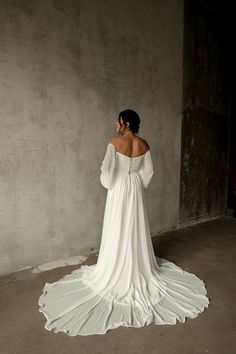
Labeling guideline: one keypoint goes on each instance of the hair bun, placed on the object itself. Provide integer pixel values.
(132, 117)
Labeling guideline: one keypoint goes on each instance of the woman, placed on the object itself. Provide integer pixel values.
(128, 286)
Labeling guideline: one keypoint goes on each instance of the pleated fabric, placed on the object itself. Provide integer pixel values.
(128, 286)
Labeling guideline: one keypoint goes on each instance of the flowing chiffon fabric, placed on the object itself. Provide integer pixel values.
(128, 286)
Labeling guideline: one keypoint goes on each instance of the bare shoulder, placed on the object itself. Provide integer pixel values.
(145, 143)
(114, 140)
(117, 141)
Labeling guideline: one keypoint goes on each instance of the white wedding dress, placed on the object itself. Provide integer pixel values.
(129, 286)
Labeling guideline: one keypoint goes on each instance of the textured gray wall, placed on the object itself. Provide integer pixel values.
(66, 70)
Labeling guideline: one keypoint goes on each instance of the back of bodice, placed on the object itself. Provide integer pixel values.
(128, 165)
(116, 164)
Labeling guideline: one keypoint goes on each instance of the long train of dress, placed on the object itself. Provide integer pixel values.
(128, 286)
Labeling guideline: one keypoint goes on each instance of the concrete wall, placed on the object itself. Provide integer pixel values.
(67, 68)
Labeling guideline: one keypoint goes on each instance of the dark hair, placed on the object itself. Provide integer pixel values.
(132, 117)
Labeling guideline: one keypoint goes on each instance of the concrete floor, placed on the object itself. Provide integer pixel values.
(206, 249)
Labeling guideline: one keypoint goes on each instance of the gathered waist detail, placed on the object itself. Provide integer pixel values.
(133, 172)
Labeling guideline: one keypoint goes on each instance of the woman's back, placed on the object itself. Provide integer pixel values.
(120, 164)
(131, 146)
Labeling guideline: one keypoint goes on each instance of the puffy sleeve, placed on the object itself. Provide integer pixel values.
(108, 167)
(146, 171)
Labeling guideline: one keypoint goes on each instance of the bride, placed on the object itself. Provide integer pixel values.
(128, 286)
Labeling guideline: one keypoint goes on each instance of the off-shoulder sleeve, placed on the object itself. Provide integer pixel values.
(108, 167)
(146, 171)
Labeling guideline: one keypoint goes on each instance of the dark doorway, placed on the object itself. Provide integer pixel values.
(231, 206)
(206, 112)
